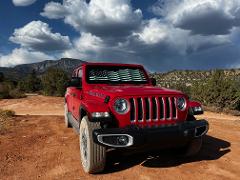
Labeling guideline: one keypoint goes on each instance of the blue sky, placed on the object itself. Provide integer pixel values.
(160, 34)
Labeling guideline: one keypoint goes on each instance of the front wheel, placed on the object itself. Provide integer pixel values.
(93, 156)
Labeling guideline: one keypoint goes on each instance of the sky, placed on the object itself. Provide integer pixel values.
(162, 35)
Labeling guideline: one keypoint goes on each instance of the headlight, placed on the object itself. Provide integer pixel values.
(181, 103)
(121, 106)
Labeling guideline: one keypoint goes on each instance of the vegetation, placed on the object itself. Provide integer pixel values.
(5, 115)
(217, 89)
(30, 84)
(54, 82)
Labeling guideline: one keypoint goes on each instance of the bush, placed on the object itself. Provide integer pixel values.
(6, 113)
(4, 119)
(16, 94)
(4, 89)
(54, 82)
(8, 91)
(1, 77)
(31, 83)
(218, 91)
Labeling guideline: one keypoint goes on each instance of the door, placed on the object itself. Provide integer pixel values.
(76, 97)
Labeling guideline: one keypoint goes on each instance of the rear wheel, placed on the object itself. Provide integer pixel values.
(93, 156)
(66, 119)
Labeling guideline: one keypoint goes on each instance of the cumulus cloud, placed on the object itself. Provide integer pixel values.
(98, 17)
(205, 17)
(23, 2)
(22, 56)
(153, 32)
(37, 35)
(86, 47)
(54, 10)
(185, 34)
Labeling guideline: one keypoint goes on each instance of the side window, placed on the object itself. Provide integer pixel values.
(80, 73)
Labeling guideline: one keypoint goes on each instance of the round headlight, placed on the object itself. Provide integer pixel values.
(181, 103)
(121, 106)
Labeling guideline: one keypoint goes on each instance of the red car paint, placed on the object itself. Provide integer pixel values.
(92, 98)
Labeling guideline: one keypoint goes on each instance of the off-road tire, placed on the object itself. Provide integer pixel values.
(94, 156)
(193, 147)
(66, 119)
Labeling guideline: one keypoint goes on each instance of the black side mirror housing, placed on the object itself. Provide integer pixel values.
(75, 82)
(153, 81)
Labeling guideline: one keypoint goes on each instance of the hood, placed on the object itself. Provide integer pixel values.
(115, 91)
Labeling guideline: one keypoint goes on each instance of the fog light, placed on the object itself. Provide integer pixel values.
(100, 115)
(115, 140)
(122, 140)
(197, 109)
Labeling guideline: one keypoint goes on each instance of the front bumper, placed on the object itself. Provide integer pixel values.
(162, 136)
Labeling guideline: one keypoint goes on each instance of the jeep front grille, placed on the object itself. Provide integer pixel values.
(152, 109)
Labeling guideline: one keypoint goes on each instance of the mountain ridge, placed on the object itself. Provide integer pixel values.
(22, 70)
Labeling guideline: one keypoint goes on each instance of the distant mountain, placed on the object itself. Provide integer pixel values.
(20, 71)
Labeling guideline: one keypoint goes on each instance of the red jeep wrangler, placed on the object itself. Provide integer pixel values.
(119, 106)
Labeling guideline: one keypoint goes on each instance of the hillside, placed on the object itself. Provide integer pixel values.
(20, 71)
(188, 77)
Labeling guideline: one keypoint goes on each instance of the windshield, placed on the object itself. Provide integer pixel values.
(115, 75)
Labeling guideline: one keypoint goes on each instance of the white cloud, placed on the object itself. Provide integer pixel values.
(86, 47)
(23, 2)
(153, 32)
(99, 17)
(185, 34)
(206, 17)
(38, 36)
(22, 56)
(54, 10)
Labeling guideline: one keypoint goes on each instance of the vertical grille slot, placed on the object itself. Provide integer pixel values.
(161, 105)
(167, 108)
(132, 110)
(154, 108)
(174, 112)
(140, 109)
(147, 110)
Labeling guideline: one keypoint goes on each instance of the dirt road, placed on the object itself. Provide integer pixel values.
(38, 146)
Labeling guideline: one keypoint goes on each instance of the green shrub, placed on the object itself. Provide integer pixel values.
(54, 82)
(6, 113)
(30, 84)
(8, 91)
(16, 94)
(4, 119)
(1, 77)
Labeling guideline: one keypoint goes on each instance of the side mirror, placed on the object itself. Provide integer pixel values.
(153, 81)
(75, 82)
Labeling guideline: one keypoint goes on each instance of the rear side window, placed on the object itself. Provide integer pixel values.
(80, 73)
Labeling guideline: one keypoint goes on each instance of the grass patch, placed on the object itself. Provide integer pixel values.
(5, 117)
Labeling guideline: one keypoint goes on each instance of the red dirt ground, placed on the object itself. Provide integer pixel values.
(38, 146)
